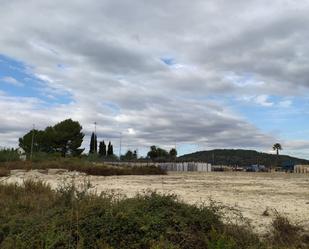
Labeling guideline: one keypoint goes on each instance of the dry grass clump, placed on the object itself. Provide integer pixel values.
(266, 212)
(287, 235)
(4, 172)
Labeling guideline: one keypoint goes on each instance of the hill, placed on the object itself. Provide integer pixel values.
(240, 157)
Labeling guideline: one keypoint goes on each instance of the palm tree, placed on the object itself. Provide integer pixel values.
(277, 147)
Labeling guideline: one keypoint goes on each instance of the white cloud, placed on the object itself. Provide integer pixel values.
(285, 103)
(131, 131)
(12, 81)
(263, 100)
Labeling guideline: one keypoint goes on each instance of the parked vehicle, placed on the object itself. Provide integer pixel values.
(256, 168)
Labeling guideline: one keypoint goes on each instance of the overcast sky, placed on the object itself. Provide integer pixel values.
(198, 74)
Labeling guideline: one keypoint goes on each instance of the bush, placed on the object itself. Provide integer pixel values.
(34, 216)
(8, 155)
(286, 234)
(43, 156)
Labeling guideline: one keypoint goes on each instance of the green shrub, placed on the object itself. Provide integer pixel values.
(32, 215)
(218, 240)
(8, 155)
(43, 156)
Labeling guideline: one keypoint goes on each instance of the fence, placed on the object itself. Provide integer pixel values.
(171, 166)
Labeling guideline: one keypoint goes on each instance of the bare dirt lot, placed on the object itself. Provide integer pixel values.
(251, 193)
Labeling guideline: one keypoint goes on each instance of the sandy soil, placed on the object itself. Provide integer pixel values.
(251, 193)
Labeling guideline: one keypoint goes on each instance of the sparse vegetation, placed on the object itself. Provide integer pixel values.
(286, 234)
(35, 216)
(83, 166)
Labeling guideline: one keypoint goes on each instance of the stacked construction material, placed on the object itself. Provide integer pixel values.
(170, 166)
(302, 169)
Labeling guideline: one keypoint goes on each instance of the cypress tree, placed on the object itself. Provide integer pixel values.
(110, 151)
(104, 152)
(102, 149)
(93, 144)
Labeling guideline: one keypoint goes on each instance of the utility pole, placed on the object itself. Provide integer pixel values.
(32, 141)
(95, 138)
(120, 138)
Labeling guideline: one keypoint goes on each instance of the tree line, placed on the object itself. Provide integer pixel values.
(66, 138)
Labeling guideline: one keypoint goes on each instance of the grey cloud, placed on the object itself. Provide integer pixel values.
(162, 123)
(193, 122)
(273, 51)
(112, 52)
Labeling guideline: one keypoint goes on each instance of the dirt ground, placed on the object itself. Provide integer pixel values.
(251, 193)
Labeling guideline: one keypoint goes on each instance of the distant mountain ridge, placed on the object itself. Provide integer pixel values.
(240, 157)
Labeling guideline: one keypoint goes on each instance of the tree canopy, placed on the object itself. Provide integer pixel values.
(129, 156)
(65, 138)
(157, 153)
(173, 153)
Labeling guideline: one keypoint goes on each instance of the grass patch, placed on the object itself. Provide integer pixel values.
(83, 166)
